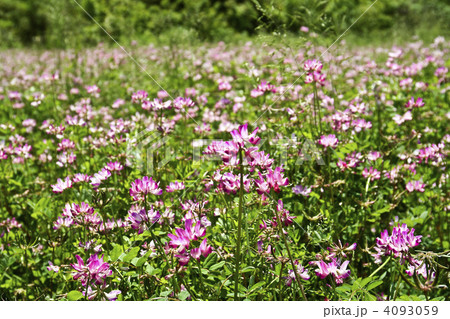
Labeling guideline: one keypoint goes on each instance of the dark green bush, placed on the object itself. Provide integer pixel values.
(56, 23)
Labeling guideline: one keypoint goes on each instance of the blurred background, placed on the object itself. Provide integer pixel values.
(62, 24)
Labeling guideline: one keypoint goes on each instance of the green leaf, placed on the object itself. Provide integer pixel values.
(142, 260)
(248, 269)
(150, 270)
(210, 260)
(183, 295)
(369, 297)
(166, 293)
(374, 284)
(217, 266)
(74, 295)
(365, 281)
(257, 285)
(438, 299)
(344, 288)
(356, 284)
(12, 181)
(115, 253)
(131, 254)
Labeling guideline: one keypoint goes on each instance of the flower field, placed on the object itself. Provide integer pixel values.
(225, 172)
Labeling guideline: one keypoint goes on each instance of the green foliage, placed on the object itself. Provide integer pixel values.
(64, 24)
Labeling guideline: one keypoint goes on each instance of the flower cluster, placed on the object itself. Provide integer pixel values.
(141, 187)
(95, 270)
(328, 141)
(371, 173)
(93, 273)
(414, 103)
(141, 219)
(8, 224)
(182, 239)
(334, 268)
(415, 186)
(263, 88)
(313, 69)
(301, 271)
(397, 244)
(74, 214)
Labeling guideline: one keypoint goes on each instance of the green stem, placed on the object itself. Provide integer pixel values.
(294, 268)
(279, 281)
(381, 267)
(238, 243)
(201, 279)
(317, 107)
(396, 288)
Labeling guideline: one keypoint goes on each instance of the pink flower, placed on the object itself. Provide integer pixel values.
(61, 185)
(262, 186)
(285, 217)
(354, 159)
(183, 237)
(230, 183)
(112, 295)
(240, 136)
(226, 150)
(114, 166)
(141, 219)
(65, 144)
(62, 222)
(301, 271)
(74, 210)
(414, 104)
(299, 189)
(337, 270)
(183, 257)
(373, 156)
(93, 90)
(141, 187)
(322, 272)
(78, 178)
(313, 69)
(139, 96)
(399, 119)
(224, 86)
(181, 102)
(304, 29)
(99, 177)
(415, 186)
(361, 124)
(263, 88)
(195, 253)
(175, 186)
(315, 77)
(339, 250)
(180, 240)
(313, 66)
(397, 244)
(276, 179)
(259, 159)
(52, 267)
(205, 249)
(95, 270)
(65, 159)
(371, 173)
(118, 103)
(9, 223)
(329, 141)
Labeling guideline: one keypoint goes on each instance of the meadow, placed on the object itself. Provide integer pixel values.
(225, 172)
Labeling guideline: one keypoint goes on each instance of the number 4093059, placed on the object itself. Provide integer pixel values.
(411, 310)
